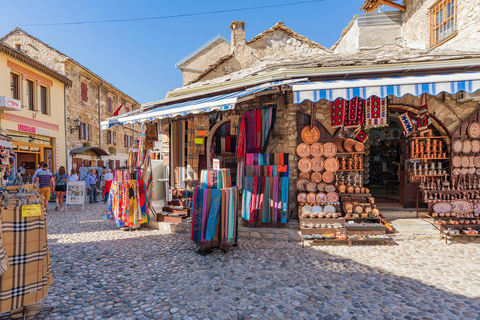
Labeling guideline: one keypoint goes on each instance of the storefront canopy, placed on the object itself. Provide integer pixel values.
(98, 151)
(220, 102)
(383, 87)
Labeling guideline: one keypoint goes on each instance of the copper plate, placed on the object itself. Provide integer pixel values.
(329, 149)
(471, 159)
(339, 143)
(457, 146)
(311, 187)
(477, 161)
(357, 208)
(348, 206)
(467, 146)
(316, 149)
(376, 138)
(471, 170)
(386, 133)
(465, 161)
(311, 198)
(474, 130)
(396, 133)
(302, 197)
(328, 176)
(330, 188)
(475, 146)
(462, 206)
(317, 164)
(349, 145)
(305, 175)
(321, 186)
(321, 197)
(329, 208)
(331, 164)
(305, 165)
(303, 150)
(359, 147)
(301, 184)
(332, 197)
(310, 135)
(457, 161)
(316, 177)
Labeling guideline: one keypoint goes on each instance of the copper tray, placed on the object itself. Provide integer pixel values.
(311, 198)
(348, 207)
(329, 149)
(311, 187)
(349, 145)
(358, 208)
(457, 146)
(339, 143)
(331, 164)
(332, 197)
(330, 188)
(316, 149)
(328, 176)
(467, 146)
(475, 146)
(304, 175)
(310, 135)
(321, 197)
(302, 197)
(316, 177)
(303, 150)
(465, 161)
(359, 147)
(317, 164)
(301, 184)
(477, 161)
(305, 165)
(471, 159)
(474, 130)
(457, 161)
(321, 186)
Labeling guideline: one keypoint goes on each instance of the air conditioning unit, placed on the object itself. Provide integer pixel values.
(463, 96)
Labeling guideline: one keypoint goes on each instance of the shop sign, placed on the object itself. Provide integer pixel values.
(32, 210)
(216, 164)
(76, 192)
(10, 104)
(30, 129)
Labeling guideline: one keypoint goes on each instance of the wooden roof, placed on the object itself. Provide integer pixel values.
(372, 5)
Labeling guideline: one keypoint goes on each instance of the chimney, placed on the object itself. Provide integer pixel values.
(238, 34)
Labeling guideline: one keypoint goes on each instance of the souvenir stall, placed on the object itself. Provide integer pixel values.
(215, 211)
(334, 204)
(23, 282)
(7, 162)
(130, 196)
(452, 189)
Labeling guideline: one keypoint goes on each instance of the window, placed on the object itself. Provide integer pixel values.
(18, 46)
(31, 95)
(84, 92)
(111, 137)
(85, 132)
(443, 21)
(14, 86)
(127, 140)
(110, 104)
(44, 99)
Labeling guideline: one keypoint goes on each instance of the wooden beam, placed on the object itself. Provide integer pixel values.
(393, 4)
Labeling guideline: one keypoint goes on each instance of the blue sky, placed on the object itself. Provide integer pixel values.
(139, 57)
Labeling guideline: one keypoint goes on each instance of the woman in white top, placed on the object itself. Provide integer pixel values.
(73, 176)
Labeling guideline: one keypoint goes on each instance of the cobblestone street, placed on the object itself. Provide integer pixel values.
(102, 272)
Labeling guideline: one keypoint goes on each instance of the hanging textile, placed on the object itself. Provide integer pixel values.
(354, 113)
(376, 112)
(141, 147)
(337, 112)
(28, 278)
(3, 254)
(422, 119)
(406, 123)
(177, 145)
(192, 153)
(215, 179)
(361, 136)
(202, 128)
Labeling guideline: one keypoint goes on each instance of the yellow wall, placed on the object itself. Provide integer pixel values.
(53, 121)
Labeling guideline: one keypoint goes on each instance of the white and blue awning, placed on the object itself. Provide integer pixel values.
(383, 87)
(222, 102)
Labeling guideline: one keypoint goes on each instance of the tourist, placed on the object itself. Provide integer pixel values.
(44, 181)
(73, 175)
(92, 185)
(22, 169)
(39, 169)
(108, 178)
(61, 179)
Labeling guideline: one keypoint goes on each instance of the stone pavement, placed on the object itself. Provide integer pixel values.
(102, 272)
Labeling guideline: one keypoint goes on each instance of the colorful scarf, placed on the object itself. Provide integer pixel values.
(376, 112)
(422, 119)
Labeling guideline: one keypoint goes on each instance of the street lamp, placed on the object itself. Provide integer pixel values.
(77, 124)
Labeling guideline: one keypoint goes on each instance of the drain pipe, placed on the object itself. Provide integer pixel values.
(66, 126)
(99, 118)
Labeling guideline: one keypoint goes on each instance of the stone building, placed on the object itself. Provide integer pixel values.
(89, 100)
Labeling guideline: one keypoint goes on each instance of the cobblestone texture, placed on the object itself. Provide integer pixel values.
(102, 272)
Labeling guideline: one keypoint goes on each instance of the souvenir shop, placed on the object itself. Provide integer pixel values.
(376, 150)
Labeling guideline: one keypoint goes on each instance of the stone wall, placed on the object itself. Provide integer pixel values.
(348, 41)
(416, 26)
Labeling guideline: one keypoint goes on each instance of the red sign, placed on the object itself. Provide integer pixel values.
(25, 128)
(10, 104)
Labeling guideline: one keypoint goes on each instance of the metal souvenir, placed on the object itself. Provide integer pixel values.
(329, 149)
(462, 206)
(328, 176)
(349, 145)
(467, 146)
(476, 162)
(301, 184)
(329, 209)
(321, 197)
(316, 149)
(474, 130)
(311, 187)
(310, 135)
(311, 198)
(317, 164)
(302, 197)
(457, 146)
(475, 146)
(305, 165)
(321, 186)
(465, 161)
(316, 177)
(457, 161)
(332, 197)
(303, 150)
(332, 164)
(330, 188)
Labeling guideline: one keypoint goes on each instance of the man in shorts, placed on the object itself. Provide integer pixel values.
(44, 180)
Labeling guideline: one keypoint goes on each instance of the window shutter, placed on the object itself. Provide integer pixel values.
(81, 131)
(114, 138)
(117, 163)
(84, 92)
(89, 138)
(110, 107)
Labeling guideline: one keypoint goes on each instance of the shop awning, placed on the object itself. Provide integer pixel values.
(383, 87)
(220, 102)
(98, 151)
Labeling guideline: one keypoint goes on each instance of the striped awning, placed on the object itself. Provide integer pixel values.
(383, 87)
(221, 102)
